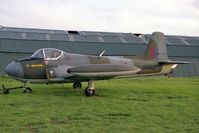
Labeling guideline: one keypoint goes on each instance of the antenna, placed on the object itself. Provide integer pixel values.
(102, 54)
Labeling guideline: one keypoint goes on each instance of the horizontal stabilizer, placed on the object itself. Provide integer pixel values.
(174, 62)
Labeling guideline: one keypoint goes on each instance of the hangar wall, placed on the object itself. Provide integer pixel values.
(16, 43)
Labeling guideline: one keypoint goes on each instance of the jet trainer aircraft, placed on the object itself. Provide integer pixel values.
(50, 65)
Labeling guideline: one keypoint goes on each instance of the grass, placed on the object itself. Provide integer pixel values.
(151, 105)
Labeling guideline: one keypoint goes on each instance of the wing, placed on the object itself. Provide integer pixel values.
(103, 70)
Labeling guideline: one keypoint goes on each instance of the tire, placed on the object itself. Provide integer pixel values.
(88, 92)
(27, 90)
(77, 85)
(6, 91)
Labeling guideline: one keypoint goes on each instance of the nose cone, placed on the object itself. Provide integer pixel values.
(15, 69)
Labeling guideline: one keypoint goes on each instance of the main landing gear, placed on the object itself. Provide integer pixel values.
(77, 85)
(25, 89)
(90, 90)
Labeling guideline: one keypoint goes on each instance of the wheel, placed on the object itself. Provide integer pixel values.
(77, 85)
(5, 91)
(27, 90)
(89, 92)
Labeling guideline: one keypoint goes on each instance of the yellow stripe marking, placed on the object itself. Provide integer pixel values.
(37, 65)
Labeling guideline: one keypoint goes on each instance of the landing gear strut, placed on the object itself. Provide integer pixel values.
(169, 74)
(77, 85)
(90, 90)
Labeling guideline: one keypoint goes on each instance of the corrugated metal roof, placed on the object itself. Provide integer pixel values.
(32, 30)
(26, 40)
(182, 40)
(29, 46)
(88, 36)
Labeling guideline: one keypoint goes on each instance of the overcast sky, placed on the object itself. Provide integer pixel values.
(176, 17)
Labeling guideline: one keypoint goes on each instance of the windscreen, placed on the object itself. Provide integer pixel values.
(38, 54)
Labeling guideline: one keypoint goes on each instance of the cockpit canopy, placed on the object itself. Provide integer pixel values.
(48, 54)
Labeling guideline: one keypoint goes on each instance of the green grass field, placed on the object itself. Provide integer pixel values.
(134, 105)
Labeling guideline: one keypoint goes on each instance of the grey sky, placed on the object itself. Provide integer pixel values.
(178, 17)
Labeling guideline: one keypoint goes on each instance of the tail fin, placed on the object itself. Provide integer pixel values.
(156, 49)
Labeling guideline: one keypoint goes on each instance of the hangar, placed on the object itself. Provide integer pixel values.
(21, 42)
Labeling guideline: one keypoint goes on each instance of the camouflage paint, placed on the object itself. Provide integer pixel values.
(75, 67)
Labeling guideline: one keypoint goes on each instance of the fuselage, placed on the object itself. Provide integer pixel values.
(51, 65)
